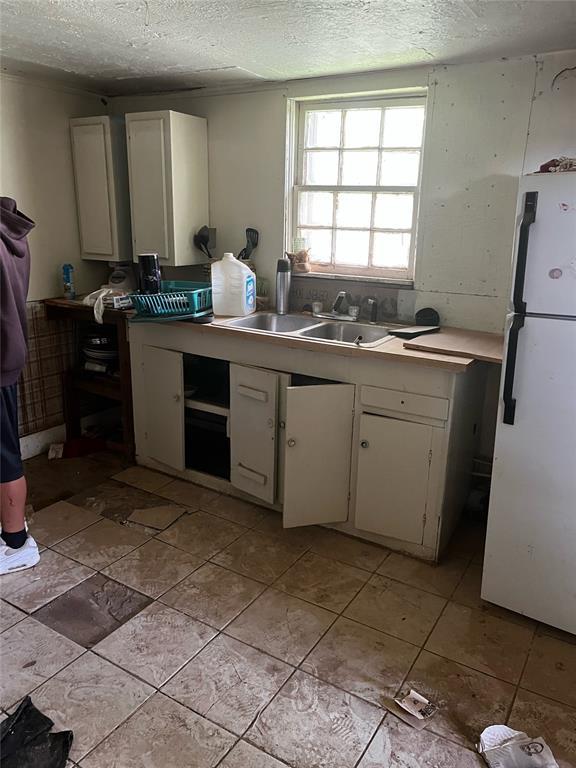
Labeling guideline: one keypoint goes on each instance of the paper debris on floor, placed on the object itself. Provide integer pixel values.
(156, 517)
(56, 451)
(412, 708)
(503, 747)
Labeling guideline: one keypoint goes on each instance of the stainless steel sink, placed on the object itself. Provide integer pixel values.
(273, 323)
(347, 333)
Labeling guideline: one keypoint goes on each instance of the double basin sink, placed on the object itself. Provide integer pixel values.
(350, 333)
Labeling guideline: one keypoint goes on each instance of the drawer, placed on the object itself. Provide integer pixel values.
(405, 402)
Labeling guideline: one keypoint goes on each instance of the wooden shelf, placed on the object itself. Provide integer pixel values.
(201, 405)
(77, 381)
(103, 386)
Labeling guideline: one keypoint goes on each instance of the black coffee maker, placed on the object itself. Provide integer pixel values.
(150, 279)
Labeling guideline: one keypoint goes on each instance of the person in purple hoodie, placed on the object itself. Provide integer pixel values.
(18, 550)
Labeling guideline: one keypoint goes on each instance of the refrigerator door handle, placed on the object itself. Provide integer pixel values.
(528, 218)
(508, 392)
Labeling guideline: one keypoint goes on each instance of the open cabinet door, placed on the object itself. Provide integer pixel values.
(318, 450)
(253, 425)
(164, 385)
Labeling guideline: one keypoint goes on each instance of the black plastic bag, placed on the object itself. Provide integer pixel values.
(25, 740)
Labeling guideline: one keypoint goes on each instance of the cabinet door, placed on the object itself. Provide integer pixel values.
(164, 387)
(318, 450)
(393, 471)
(93, 175)
(253, 425)
(148, 167)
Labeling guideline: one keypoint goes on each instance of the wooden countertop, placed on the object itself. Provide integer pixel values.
(390, 350)
(75, 308)
(458, 341)
(451, 349)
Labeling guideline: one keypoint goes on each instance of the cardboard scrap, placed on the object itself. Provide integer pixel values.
(413, 708)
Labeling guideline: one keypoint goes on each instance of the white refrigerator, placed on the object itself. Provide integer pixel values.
(530, 560)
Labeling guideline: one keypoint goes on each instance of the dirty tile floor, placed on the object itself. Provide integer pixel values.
(168, 625)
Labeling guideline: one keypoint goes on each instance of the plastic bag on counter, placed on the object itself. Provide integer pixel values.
(105, 298)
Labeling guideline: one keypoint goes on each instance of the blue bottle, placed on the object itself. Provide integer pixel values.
(68, 280)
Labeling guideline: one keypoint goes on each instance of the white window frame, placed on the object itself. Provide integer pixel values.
(404, 275)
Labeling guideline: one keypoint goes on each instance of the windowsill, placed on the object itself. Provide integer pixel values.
(390, 282)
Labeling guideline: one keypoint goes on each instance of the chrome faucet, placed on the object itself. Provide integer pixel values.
(349, 314)
(343, 296)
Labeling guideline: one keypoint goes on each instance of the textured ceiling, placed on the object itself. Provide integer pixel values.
(124, 46)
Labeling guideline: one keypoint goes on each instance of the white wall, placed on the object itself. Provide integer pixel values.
(36, 170)
(553, 119)
(246, 134)
(476, 142)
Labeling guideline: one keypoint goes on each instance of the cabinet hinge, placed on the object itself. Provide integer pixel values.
(424, 520)
(429, 457)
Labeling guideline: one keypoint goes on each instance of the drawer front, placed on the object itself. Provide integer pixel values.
(405, 402)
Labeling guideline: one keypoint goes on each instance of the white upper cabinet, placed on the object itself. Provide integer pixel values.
(99, 157)
(168, 171)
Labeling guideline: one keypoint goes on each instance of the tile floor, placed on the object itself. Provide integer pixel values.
(167, 625)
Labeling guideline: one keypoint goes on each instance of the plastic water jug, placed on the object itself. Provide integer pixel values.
(233, 287)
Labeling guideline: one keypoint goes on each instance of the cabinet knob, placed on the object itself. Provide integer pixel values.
(364, 443)
(291, 442)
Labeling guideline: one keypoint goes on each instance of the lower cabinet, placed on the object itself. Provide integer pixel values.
(254, 397)
(292, 443)
(287, 439)
(163, 378)
(395, 466)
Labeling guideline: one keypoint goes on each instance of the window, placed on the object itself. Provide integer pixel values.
(357, 180)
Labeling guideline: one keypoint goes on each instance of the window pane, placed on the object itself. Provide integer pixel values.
(403, 126)
(352, 247)
(321, 168)
(354, 209)
(391, 249)
(399, 169)
(359, 167)
(393, 211)
(362, 128)
(323, 128)
(316, 208)
(319, 242)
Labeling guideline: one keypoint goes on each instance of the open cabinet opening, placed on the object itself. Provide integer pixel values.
(207, 410)
(207, 380)
(207, 443)
(301, 380)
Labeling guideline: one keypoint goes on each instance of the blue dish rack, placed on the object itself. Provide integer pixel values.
(178, 300)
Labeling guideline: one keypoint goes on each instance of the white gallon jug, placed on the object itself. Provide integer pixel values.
(233, 287)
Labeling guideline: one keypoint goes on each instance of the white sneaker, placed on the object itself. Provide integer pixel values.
(11, 560)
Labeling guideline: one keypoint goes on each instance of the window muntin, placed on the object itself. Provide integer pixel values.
(357, 184)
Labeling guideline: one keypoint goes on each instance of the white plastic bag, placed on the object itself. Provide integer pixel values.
(96, 299)
(503, 747)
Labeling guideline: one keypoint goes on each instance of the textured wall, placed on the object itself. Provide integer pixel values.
(36, 169)
(476, 141)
